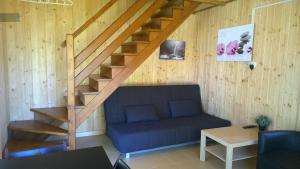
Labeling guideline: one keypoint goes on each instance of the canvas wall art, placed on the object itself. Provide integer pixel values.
(172, 50)
(235, 44)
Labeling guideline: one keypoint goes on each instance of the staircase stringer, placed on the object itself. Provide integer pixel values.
(130, 68)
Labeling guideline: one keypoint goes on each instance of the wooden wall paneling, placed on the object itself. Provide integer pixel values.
(231, 90)
(50, 48)
(3, 93)
(297, 60)
(63, 24)
(290, 83)
(156, 71)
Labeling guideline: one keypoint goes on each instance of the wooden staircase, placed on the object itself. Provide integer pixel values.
(137, 42)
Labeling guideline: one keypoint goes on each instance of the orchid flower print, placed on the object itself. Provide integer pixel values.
(235, 44)
(232, 47)
(221, 49)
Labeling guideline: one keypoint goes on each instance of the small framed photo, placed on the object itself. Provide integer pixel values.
(172, 50)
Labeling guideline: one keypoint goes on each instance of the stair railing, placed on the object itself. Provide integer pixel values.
(115, 44)
(71, 72)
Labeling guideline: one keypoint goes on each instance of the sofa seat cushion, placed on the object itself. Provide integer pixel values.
(132, 137)
(280, 160)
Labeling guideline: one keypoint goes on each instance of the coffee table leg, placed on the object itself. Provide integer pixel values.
(229, 155)
(202, 147)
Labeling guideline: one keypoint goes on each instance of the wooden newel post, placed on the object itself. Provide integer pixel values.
(71, 91)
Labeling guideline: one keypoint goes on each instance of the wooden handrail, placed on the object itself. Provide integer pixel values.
(90, 21)
(117, 42)
(93, 46)
(94, 18)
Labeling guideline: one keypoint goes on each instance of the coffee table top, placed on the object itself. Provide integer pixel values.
(234, 135)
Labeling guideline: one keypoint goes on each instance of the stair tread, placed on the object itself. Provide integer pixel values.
(86, 90)
(127, 54)
(13, 146)
(168, 5)
(163, 18)
(152, 29)
(58, 113)
(143, 32)
(136, 42)
(113, 66)
(78, 103)
(98, 77)
(34, 126)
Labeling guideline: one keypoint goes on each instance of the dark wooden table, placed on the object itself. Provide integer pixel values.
(90, 158)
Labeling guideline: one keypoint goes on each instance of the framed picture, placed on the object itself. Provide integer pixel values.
(235, 44)
(172, 50)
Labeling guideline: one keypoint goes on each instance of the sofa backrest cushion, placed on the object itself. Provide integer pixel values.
(141, 113)
(159, 96)
(184, 108)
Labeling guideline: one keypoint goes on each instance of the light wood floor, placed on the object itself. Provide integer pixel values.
(186, 157)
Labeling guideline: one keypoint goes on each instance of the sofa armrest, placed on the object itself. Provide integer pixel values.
(277, 140)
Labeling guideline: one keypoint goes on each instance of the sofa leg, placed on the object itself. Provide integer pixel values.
(127, 155)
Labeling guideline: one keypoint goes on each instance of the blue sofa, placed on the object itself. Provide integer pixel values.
(146, 117)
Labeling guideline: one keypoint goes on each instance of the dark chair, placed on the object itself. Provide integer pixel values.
(278, 150)
(120, 164)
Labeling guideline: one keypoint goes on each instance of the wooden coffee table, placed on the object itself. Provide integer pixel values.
(235, 143)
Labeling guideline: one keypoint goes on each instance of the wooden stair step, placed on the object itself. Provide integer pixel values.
(122, 59)
(98, 82)
(170, 5)
(163, 18)
(176, 2)
(78, 104)
(86, 89)
(57, 113)
(171, 11)
(156, 24)
(86, 93)
(14, 146)
(127, 54)
(34, 126)
(135, 43)
(152, 25)
(113, 66)
(163, 13)
(98, 77)
(168, 13)
(110, 71)
(145, 35)
(134, 46)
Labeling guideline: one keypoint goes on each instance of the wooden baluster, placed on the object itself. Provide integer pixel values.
(71, 91)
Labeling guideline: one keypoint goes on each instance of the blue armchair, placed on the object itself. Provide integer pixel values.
(278, 150)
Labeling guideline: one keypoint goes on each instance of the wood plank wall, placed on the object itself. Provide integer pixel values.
(36, 61)
(231, 90)
(3, 112)
(37, 74)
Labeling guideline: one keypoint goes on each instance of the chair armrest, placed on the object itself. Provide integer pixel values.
(277, 140)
